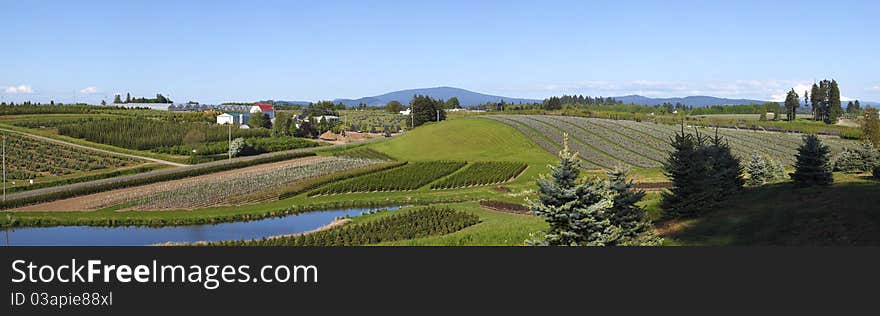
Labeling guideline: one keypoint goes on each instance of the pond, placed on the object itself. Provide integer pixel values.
(141, 236)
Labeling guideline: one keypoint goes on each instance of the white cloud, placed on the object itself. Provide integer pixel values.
(89, 90)
(19, 89)
(874, 88)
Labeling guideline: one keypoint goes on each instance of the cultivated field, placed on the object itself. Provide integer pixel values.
(206, 190)
(603, 143)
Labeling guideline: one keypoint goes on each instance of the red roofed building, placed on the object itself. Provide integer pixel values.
(266, 109)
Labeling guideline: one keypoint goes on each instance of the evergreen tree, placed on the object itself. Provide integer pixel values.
(127, 97)
(815, 101)
(117, 99)
(725, 168)
(687, 170)
(453, 103)
(812, 166)
(758, 169)
(425, 109)
(103, 102)
(576, 211)
(835, 111)
(635, 227)
(703, 172)
(792, 102)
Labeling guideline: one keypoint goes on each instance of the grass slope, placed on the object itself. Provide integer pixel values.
(467, 139)
(845, 213)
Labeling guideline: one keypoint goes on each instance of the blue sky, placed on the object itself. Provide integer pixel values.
(216, 51)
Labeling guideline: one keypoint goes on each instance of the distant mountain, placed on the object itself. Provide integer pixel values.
(694, 101)
(465, 97)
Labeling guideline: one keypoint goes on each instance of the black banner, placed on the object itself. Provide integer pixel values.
(418, 280)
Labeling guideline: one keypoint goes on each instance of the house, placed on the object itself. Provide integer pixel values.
(233, 118)
(225, 118)
(264, 108)
(405, 112)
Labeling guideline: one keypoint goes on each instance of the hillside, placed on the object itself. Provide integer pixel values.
(778, 214)
(695, 101)
(469, 139)
(465, 97)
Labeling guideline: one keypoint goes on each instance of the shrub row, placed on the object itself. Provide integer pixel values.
(430, 221)
(197, 218)
(93, 177)
(173, 174)
(408, 177)
(482, 173)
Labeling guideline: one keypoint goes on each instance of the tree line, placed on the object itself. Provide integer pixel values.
(128, 99)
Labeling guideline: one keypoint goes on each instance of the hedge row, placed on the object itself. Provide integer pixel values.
(23, 219)
(430, 221)
(182, 172)
(92, 177)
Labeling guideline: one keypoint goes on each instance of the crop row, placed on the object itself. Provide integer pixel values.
(211, 191)
(424, 222)
(619, 147)
(481, 173)
(29, 158)
(647, 144)
(408, 177)
(150, 134)
(537, 137)
(592, 157)
(146, 178)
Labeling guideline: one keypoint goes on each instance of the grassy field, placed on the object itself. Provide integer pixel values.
(466, 139)
(845, 213)
(775, 214)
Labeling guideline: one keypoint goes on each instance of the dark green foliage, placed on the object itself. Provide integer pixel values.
(426, 109)
(429, 221)
(589, 213)
(703, 172)
(482, 173)
(812, 166)
(149, 134)
(309, 184)
(394, 107)
(635, 227)
(792, 103)
(409, 177)
(322, 108)
(259, 120)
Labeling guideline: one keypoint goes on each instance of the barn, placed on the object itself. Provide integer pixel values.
(264, 108)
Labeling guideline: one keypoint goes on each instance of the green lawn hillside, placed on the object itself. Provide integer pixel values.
(468, 139)
(845, 213)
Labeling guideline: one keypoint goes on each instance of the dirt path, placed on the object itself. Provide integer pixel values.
(100, 200)
(48, 139)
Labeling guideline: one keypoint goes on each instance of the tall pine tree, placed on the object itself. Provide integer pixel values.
(812, 165)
